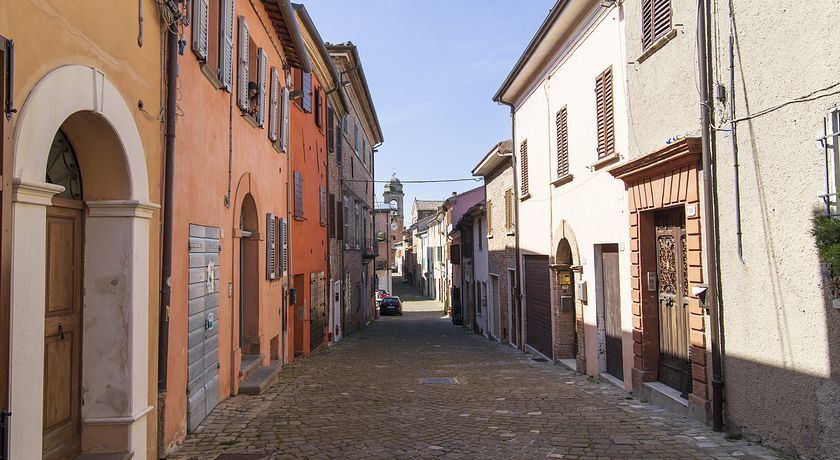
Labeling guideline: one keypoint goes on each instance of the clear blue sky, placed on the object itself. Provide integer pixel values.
(433, 67)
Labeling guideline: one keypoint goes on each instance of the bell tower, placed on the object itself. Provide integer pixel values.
(394, 194)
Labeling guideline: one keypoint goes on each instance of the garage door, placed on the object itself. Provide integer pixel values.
(538, 304)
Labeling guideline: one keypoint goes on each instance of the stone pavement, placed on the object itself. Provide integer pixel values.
(363, 398)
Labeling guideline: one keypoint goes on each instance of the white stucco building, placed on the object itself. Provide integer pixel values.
(570, 125)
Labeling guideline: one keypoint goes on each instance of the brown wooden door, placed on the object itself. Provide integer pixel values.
(538, 304)
(674, 365)
(300, 311)
(317, 310)
(63, 330)
(612, 309)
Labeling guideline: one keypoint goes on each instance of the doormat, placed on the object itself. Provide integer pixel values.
(539, 360)
(439, 381)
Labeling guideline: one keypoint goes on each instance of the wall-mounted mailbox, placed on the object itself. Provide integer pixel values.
(567, 303)
(651, 281)
(580, 291)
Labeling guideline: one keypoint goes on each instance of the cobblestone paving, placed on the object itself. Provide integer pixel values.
(362, 398)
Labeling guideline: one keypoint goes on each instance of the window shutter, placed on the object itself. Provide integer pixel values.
(523, 167)
(318, 122)
(284, 248)
(272, 110)
(243, 64)
(604, 103)
(306, 80)
(489, 218)
(262, 62)
(226, 65)
(298, 195)
(340, 221)
(562, 143)
(200, 28)
(270, 248)
(656, 21)
(332, 217)
(330, 129)
(339, 143)
(284, 120)
(322, 197)
(509, 209)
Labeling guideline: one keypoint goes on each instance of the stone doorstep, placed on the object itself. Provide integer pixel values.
(261, 379)
(665, 397)
(111, 456)
(250, 363)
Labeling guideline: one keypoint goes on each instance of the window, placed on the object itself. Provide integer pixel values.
(346, 221)
(317, 113)
(330, 130)
(356, 137)
(306, 86)
(298, 185)
(604, 110)
(523, 167)
(332, 217)
(509, 209)
(212, 38)
(489, 218)
(322, 218)
(562, 143)
(358, 221)
(252, 76)
(656, 21)
(274, 105)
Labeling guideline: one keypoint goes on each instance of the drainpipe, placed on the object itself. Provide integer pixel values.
(734, 134)
(169, 166)
(710, 220)
(517, 290)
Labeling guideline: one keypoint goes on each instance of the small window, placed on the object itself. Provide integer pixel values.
(604, 111)
(509, 209)
(656, 21)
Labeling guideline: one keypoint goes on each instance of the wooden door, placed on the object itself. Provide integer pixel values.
(674, 365)
(611, 288)
(538, 304)
(299, 306)
(63, 330)
(317, 310)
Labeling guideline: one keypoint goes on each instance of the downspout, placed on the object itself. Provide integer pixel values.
(517, 291)
(734, 134)
(166, 254)
(710, 220)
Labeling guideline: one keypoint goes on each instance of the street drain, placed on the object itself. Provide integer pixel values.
(438, 381)
(539, 360)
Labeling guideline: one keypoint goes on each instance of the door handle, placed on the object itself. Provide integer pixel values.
(60, 331)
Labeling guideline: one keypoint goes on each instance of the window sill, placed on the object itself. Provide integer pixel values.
(607, 160)
(657, 45)
(211, 76)
(525, 197)
(251, 121)
(564, 179)
(510, 234)
(298, 218)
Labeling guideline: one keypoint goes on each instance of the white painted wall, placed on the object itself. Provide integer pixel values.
(594, 203)
(481, 273)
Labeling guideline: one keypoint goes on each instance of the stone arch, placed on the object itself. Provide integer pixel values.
(568, 315)
(115, 366)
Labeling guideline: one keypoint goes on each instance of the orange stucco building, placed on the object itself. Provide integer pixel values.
(229, 218)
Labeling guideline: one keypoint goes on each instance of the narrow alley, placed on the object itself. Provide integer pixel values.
(365, 398)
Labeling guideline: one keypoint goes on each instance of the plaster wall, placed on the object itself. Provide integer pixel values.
(101, 36)
(481, 275)
(782, 336)
(207, 145)
(662, 97)
(593, 204)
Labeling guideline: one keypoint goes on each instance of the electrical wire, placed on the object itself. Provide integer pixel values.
(431, 181)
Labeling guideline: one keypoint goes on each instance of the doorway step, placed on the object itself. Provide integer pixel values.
(115, 456)
(260, 379)
(250, 363)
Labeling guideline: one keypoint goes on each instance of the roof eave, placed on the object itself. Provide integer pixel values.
(294, 31)
(322, 48)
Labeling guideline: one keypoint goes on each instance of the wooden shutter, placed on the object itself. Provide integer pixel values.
(339, 143)
(489, 218)
(262, 62)
(509, 209)
(273, 106)
(523, 166)
(332, 219)
(201, 28)
(226, 65)
(562, 143)
(284, 120)
(306, 83)
(322, 197)
(656, 21)
(604, 110)
(330, 129)
(298, 194)
(318, 122)
(270, 247)
(283, 248)
(242, 100)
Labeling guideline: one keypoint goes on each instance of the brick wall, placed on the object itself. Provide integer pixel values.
(502, 246)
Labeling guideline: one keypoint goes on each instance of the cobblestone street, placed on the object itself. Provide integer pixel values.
(363, 398)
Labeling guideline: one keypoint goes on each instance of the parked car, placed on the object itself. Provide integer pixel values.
(379, 295)
(390, 304)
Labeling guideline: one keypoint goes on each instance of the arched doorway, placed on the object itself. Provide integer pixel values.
(63, 312)
(249, 303)
(75, 128)
(566, 342)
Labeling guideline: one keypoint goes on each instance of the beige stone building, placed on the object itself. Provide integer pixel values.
(82, 133)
